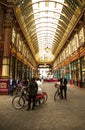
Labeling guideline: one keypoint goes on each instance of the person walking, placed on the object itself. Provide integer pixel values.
(33, 88)
(63, 87)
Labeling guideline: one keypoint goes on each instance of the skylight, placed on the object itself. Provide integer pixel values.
(45, 22)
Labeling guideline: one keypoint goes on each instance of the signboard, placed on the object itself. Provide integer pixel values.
(3, 85)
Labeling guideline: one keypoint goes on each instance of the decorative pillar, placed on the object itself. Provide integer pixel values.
(5, 62)
(7, 41)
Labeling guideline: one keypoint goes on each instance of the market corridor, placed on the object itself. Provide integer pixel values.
(60, 115)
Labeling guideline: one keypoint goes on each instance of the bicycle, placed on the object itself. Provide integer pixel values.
(20, 101)
(57, 95)
(17, 90)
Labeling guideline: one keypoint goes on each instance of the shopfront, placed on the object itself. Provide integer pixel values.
(67, 72)
(83, 71)
(75, 72)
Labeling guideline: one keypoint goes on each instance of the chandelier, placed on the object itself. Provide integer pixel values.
(47, 49)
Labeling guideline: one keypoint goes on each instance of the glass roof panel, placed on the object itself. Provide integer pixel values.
(47, 21)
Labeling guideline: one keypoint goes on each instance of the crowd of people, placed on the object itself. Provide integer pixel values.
(35, 87)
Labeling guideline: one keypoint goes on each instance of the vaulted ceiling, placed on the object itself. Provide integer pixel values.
(46, 24)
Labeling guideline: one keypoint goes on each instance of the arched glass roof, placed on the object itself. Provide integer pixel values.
(46, 24)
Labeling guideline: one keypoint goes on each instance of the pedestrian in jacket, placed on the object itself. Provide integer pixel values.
(33, 88)
(12, 84)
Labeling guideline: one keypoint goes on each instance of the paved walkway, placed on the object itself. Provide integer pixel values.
(60, 115)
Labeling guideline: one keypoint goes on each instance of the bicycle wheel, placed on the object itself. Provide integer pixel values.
(45, 96)
(57, 95)
(18, 102)
(40, 101)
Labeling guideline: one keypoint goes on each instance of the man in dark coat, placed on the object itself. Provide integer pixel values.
(63, 87)
(33, 88)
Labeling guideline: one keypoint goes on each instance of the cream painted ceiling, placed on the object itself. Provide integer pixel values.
(47, 24)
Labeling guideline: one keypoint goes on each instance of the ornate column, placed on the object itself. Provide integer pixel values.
(7, 41)
(5, 62)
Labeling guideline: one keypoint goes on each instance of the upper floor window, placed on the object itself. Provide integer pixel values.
(81, 36)
(17, 41)
(62, 56)
(76, 40)
(73, 44)
(13, 36)
(67, 51)
(20, 45)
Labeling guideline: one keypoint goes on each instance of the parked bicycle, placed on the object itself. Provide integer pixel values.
(21, 100)
(17, 90)
(57, 94)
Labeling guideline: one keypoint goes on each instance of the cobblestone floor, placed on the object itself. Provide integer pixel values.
(60, 115)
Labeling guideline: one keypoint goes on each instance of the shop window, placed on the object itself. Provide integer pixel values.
(83, 76)
(75, 71)
(83, 65)
(83, 71)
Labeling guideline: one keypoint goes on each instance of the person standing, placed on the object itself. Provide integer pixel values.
(12, 83)
(17, 81)
(63, 87)
(39, 86)
(25, 83)
(33, 88)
